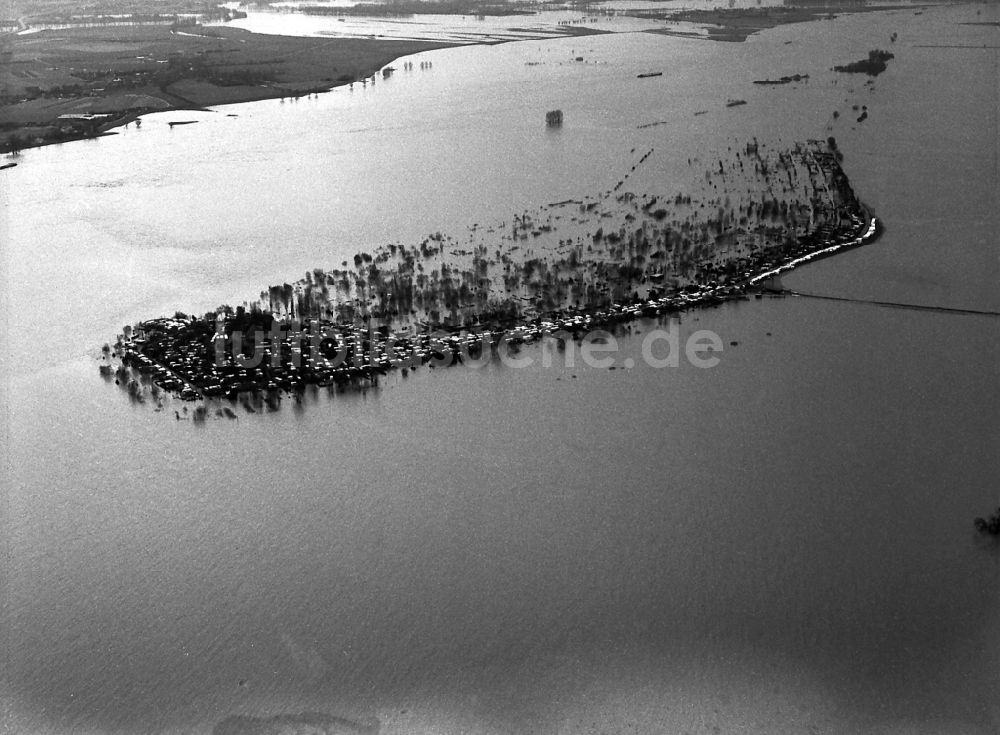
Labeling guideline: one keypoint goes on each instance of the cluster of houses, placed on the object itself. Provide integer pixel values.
(265, 349)
(203, 357)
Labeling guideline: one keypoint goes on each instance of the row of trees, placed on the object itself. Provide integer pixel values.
(674, 237)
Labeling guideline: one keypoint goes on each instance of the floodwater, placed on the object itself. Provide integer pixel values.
(781, 543)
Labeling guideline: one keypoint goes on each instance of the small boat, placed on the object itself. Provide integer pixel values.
(7, 165)
(651, 74)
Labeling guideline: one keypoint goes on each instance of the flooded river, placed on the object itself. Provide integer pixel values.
(781, 543)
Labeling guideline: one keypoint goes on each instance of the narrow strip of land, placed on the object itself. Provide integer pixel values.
(895, 304)
(953, 45)
(738, 24)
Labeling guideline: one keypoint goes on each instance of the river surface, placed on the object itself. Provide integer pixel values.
(780, 543)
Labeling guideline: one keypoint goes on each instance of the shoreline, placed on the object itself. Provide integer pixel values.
(170, 71)
(736, 25)
(79, 71)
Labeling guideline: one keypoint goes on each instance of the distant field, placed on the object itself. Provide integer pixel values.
(129, 70)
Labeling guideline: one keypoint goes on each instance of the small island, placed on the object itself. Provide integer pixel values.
(442, 302)
(876, 63)
(782, 80)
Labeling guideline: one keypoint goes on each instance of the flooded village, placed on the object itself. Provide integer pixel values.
(564, 270)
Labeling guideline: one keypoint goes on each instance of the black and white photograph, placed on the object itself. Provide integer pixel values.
(499, 367)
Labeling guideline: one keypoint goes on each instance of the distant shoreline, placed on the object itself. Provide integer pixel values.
(738, 24)
(84, 72)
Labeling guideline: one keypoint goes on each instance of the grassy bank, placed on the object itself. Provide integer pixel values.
(123, 71)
